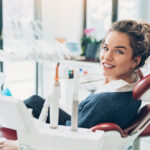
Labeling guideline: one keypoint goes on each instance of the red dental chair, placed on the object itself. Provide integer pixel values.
(120, 139)
(115, 138)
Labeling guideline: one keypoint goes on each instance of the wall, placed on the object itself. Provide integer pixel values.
(63, 18)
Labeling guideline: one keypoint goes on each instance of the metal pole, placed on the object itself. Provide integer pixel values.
(1, 33)
(37, 16)
(114, 10)
(84, 13)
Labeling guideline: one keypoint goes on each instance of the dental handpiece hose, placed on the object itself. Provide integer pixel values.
(54, 103)
(74, 118)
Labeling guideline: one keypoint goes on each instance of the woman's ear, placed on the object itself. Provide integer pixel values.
(136, 61)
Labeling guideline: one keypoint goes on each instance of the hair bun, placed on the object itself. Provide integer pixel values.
(146, 31)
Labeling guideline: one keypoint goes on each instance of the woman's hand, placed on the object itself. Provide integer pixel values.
(9, 145)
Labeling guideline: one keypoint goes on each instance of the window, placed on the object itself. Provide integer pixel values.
(17, 18)
(127, 9)
(99, 17)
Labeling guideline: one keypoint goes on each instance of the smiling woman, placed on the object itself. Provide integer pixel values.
(124, 50)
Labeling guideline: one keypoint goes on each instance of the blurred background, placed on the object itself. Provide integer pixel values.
(29, 30)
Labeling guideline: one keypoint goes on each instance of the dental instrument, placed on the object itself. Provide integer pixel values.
(74, 118)
(53, 101)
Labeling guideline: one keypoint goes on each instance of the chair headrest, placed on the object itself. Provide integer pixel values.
(142, 89)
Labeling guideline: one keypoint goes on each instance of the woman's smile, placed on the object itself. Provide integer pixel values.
(108, 66)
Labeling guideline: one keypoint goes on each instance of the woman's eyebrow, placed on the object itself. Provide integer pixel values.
(105, 44)
(121, 47)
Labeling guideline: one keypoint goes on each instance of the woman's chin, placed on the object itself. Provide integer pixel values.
(107, 75)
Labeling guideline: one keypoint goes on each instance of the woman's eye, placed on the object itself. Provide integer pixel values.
(105, 48)
(119, 51)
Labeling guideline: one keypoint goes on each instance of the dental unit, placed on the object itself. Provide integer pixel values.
(35, 134)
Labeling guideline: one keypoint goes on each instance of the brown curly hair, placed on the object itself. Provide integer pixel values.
(139, 34)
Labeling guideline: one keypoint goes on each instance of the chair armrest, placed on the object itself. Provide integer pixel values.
(9, 134)
(109, 127)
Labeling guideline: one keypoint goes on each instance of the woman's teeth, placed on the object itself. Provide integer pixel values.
(109, 66)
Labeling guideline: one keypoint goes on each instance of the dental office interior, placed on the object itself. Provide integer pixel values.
(51, 48)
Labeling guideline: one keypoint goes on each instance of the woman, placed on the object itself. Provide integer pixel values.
(124, 50)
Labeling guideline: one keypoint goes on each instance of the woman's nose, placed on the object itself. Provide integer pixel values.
(108, 55)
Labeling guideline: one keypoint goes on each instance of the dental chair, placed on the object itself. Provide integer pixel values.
(116, 138)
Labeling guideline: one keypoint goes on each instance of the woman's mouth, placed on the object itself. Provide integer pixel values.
(108, 66)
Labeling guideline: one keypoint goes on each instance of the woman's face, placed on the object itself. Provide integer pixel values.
(116, 57)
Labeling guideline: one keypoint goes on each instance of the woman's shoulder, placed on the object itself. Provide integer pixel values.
(110, 98)
(113, 95)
